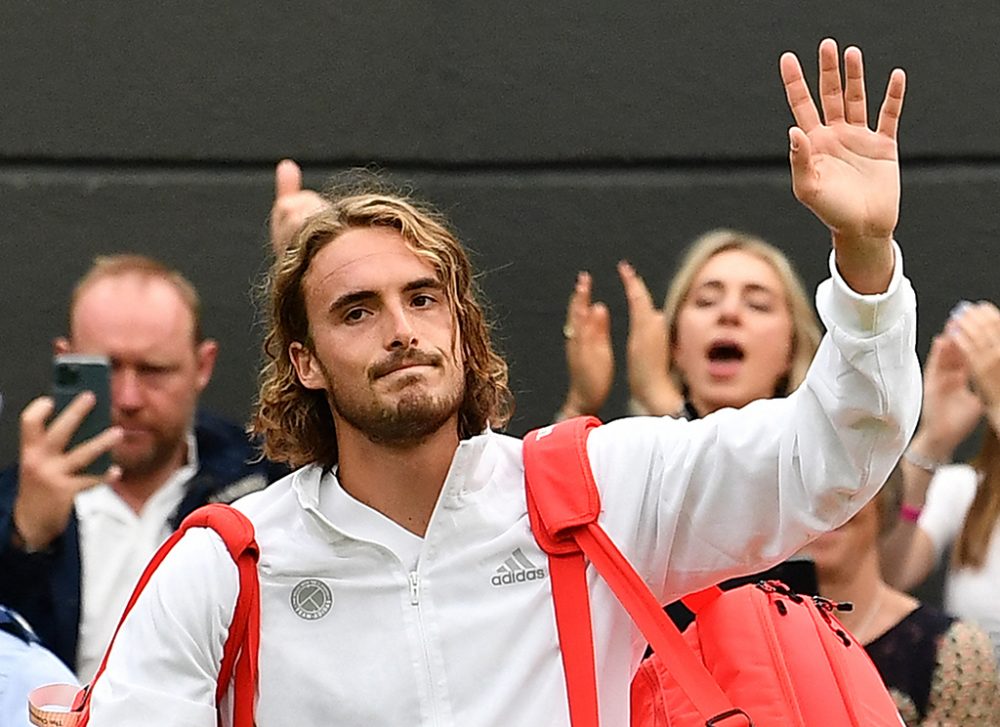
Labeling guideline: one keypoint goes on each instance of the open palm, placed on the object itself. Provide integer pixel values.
(951, 409)
(846, 173)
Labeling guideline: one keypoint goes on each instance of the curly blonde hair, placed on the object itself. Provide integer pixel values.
(295, 424)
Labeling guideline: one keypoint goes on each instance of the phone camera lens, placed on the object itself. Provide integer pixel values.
(67, 375)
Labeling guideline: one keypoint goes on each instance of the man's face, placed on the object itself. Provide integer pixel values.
(734, 332)
(143, 325)
(384, 346)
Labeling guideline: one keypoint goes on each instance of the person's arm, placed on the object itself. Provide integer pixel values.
(906, 554)
(27, 580)
(590, 360)
(961, 384)
(164, 663)
(696, 502)
(950, 412)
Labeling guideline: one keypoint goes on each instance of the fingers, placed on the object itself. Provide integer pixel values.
(589, 356)
(287, 178)
(935, 352)
(831, 92)
(62, 428)
(804, 178)
(855, 103)
(840, 101)
(892, 105)
(33, 419)
(636, 293)
(978, 327)
(579, 303)
(586, 321)
(797, 92)
(85, 453)
(976, 331)
(600, 320)
(944, 355)
(581, 294)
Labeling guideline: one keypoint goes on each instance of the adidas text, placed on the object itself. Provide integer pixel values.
(505, 579)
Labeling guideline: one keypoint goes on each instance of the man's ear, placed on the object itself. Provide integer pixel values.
(306, 366)
(61, 345)
(205, 355)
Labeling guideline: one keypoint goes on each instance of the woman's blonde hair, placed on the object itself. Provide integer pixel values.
(805, 326)
(974, 540)
(294, 423)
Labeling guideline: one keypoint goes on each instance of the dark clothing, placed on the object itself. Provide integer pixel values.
(45, 587)
(907, 654)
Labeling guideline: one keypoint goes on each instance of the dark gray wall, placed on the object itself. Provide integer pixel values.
(558, 137)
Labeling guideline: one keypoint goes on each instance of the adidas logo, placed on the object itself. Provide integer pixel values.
(517, 569)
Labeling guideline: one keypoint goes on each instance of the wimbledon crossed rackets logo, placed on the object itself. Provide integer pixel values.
(311, 599)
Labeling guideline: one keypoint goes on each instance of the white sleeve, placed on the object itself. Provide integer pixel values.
(949, 498)
(693, 503)
(165, 661)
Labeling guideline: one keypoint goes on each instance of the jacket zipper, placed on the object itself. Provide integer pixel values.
(413, 579)
(414, 588)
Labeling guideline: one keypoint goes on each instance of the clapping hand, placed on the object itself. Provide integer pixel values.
(589, 355)
(976, 334)
(648, 348)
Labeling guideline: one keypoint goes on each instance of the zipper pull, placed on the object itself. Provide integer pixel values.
(826, 607)
(414, 588)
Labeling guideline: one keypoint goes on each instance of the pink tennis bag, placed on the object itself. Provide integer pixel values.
(756, 655)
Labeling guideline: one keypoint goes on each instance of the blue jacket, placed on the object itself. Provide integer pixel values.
(45, 587)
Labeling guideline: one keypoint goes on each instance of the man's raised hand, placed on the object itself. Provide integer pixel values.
(50, 476)
(845, 172)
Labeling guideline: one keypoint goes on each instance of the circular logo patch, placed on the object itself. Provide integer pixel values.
(311, 599)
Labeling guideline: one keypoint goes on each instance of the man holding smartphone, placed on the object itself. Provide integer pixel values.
(73, 543)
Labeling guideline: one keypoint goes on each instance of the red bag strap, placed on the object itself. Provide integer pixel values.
(562, 494)
(239, 657)
(567, 508)
(557, 470)
(576, 636)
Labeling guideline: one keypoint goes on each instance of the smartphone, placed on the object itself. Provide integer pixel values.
(73, 373)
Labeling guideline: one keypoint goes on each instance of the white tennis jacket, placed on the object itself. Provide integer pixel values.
(356, 632)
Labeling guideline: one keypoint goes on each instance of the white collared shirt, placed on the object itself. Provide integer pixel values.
(116, 543)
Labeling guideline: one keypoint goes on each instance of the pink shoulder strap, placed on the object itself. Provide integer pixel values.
(563, 506)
